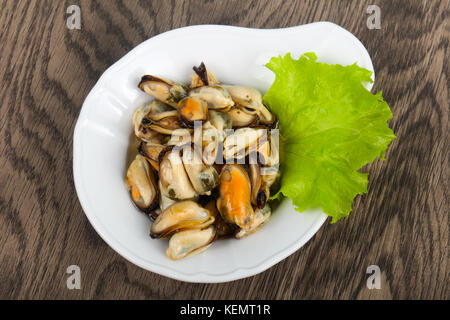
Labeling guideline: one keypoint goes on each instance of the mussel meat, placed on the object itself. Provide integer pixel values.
(241, 118)
(191, 109)
(202, 77)
(260, 190)
(142, 184)
(179, 216)
(203, 177)
(250, 99)
(261, 217)
(241, 142)
(156, 117)
(189, 242)
(167, 91)
(217, 97)
(213, 135)
(234, 202)
(175, 183)
(223, 228)
(164, 202)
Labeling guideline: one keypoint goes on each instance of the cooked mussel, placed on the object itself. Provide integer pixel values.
(151, 151)
(268, 152)
(213, 134)
(261, 217)
(167, 91)
(202, 77)
(142, 184)
(164, 202)
(191, 109)
(220, 120)
(203, 177)
(223, 228)
(180, 216)
(217, 97)
(269, 175)
(240, 117)
(234, 202)
(180, 138)
(175, 183)
(140, 123)
(154, 118)
(189, 242)
(260, 190)
(251, 100)
(241, 142)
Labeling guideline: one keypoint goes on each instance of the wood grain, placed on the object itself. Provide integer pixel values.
(401, 225)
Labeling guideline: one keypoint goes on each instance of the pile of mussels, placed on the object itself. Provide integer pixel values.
(206, 162)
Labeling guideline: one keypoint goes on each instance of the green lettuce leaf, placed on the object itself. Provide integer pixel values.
(330, 127)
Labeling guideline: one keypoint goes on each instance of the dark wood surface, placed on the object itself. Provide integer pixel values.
(46, 70)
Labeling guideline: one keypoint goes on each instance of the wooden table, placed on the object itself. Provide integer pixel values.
(47, 70)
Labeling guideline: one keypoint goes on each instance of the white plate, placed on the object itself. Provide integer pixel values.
(102, 134)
